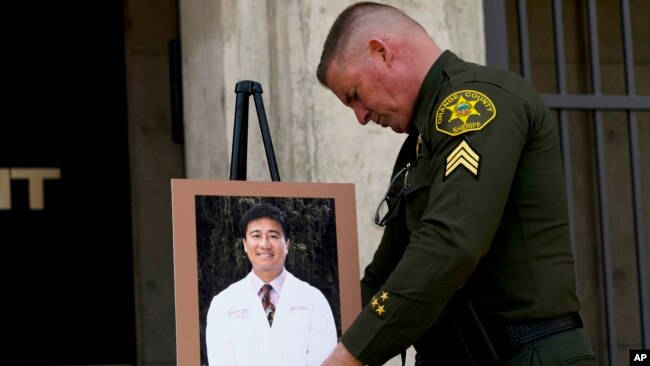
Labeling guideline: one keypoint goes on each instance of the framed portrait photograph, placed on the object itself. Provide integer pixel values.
(227, 231)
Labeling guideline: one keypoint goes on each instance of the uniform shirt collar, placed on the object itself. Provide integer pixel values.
(430, 86)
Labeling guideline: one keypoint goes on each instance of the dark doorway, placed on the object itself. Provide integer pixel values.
(66, 233)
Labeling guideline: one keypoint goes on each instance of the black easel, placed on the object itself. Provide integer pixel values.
(245, 89)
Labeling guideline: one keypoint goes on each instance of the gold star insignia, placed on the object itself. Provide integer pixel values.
(380, 310)
(374, 302)
(384, 295)
(463, 110)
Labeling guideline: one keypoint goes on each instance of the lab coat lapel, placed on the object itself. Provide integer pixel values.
(258, 317)
(287, 298)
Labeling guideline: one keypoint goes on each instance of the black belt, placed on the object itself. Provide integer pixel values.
(491, 342)
(516, 334)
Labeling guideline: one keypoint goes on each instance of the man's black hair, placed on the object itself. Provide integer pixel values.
(264, 210)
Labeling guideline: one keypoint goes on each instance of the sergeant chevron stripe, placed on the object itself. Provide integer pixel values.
(463, 155)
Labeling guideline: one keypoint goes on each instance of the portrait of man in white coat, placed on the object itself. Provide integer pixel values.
(269, 317)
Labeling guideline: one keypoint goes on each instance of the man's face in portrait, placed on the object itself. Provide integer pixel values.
(266, 245)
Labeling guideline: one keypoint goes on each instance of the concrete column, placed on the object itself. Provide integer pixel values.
(316, 138)
(154, 160)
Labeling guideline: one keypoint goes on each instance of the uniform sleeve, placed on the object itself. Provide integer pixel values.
(393, 241)
(453, 233)
(388, 254)
(218, 342)
(322, 331)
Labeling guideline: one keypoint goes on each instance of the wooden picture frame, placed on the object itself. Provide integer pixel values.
(206, 213)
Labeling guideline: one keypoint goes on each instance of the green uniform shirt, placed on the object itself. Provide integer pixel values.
(484, 208)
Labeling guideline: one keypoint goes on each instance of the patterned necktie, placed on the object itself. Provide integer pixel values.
(269, 308)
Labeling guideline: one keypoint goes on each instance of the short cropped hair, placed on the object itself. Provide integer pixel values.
(264, 210)
(340, 33)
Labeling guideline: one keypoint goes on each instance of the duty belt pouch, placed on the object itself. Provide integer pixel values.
(477, 346)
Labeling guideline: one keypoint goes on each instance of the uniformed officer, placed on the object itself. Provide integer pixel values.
(475, 264)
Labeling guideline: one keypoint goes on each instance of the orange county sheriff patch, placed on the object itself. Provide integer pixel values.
(464, 111)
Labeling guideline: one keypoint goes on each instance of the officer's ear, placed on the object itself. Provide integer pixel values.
(381, 50)
(286, 247)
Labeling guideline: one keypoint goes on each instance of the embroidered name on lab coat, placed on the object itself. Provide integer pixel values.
(298, 307)
(238, 313)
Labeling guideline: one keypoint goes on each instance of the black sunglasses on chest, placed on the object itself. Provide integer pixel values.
(398, 185)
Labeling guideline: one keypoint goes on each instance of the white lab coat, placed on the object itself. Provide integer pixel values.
(238, 332)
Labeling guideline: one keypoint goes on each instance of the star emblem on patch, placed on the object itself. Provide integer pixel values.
(463, 109)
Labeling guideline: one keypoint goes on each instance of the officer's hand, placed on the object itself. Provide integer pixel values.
(341, 357)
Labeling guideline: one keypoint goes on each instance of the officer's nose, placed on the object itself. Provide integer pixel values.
(363, 115)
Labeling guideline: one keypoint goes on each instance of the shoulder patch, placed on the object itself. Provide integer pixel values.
(464, 111)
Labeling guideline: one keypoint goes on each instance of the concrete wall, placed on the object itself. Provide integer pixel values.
(154, 160)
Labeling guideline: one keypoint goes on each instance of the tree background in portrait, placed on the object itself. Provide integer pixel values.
(222, 261)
